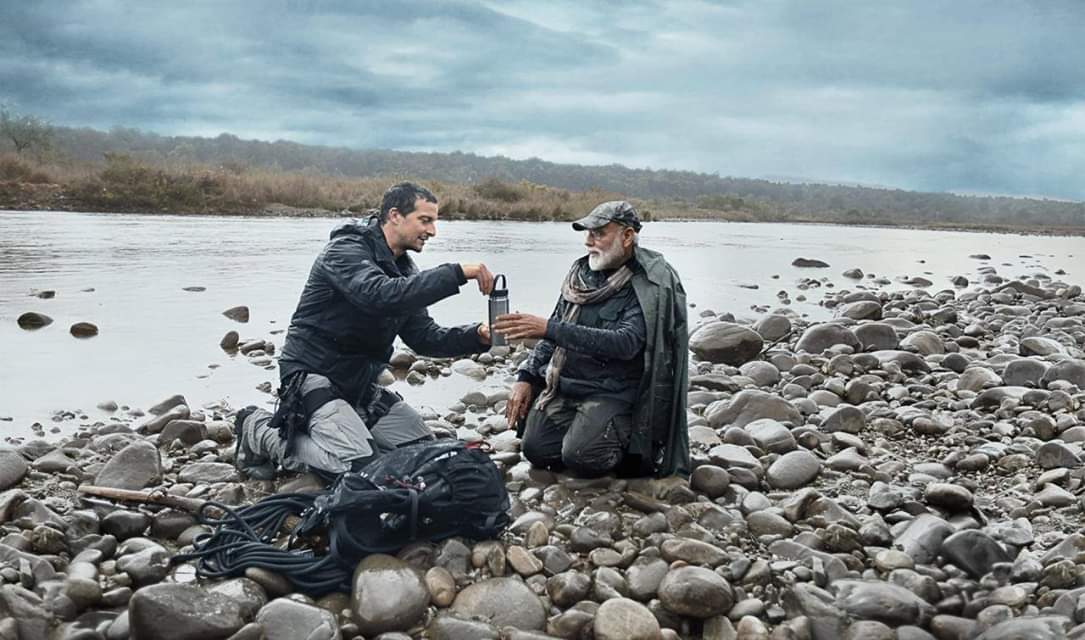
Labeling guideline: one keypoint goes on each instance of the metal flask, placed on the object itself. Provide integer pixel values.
(499, 305)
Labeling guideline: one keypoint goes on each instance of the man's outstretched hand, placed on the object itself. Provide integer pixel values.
(484, 333)
(519, 402)
(517, 326)
(479, 272)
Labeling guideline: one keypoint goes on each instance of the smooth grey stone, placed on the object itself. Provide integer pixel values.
(1056, 455)
(826, 620)
(922, 538)
(974, 551)
(710, 480)
(846, 418)
(388, 595)
(695, 592)
(771, 435)
(286, 619)
(13, 468)
(793, 470)
(208, 473)
(248, 594)
(948, 496)
(876, 336)
(725, 342)
(773, 327)
(819, 337)
(1070, 370)
(502, 601)
(644, 577)
(978, 378)
(449, 627)
(749, 405)
(1038, 628)
(567, 588)
(882, 601)
(1024, 372)
(692, 552)
(624, 619)
(182, 612)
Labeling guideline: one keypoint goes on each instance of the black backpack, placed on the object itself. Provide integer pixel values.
(427, 491)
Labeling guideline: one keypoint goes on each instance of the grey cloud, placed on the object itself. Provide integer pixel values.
(971, 96)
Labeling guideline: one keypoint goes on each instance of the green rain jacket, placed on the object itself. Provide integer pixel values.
(660, 441)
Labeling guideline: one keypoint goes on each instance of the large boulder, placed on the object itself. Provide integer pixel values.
(726, 342)
(749, 405)
(819, 337)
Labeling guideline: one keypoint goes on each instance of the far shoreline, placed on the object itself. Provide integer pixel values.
(284, 211)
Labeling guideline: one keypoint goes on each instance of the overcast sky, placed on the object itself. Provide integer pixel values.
(966, 96)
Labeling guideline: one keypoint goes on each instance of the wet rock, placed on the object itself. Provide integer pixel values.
(710, 480)
(643, 577)
(441, 585)
(771, 436)
(695, 592)
(449, 627)
(725, 342)
(1070, 370)
(977, 379)
(1024, 372)
(249, 595)
(469, 368)
(827, 622)
(974, 551)
(762, 373)
(502, 601)
(773, 327)
(208, 473)
(624, 619)
(793, 470)
(1040, 346)
(1037, 628)
(147, 566)
(847, 418)
(854, 274)
(230, 341)
(809, 263)
(13, 468)
(239, 313)
(922, 538)
(692, 552)
(923, 342)
(948, 496)
(1056, 455)
(862, 310)
(32, 320)
(285, 619)
(876, 336)
(884, 602)
(83, 330)
(182, 612)
(819, 337)
(749, 405)
(388, 595)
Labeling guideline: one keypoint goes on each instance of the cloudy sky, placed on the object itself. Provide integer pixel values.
(982, 96)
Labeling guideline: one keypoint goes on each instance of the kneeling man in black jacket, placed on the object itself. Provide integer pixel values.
(604, 390)
(363, 291)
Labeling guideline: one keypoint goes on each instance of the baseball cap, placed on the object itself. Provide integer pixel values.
(614, 211)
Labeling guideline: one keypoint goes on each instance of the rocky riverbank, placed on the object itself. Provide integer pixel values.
(912, 469)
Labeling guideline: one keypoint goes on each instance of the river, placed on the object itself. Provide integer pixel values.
(127, 274)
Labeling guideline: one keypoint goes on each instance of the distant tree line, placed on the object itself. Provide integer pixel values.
(503, 180)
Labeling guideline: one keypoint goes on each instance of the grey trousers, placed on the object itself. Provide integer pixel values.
(587, 437)
(338, 438)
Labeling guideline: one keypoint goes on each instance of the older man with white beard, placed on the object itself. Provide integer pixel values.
(604, 390)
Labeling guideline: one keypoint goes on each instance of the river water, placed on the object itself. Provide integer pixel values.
(127, 275)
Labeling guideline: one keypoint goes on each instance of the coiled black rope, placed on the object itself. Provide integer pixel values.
(243, 538)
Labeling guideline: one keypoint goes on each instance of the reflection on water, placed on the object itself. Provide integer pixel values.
(157, 339)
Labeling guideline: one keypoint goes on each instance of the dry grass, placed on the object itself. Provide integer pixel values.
(122, 184)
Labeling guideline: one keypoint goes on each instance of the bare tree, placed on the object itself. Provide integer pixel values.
(26, 132)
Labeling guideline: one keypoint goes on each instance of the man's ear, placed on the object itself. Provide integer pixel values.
(394, 215)
(627, 237)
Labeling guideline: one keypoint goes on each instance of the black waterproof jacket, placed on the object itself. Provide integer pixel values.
(358, 298)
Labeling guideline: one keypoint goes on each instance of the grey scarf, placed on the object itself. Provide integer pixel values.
(577, 292)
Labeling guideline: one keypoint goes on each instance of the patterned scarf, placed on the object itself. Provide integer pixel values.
(577, 292)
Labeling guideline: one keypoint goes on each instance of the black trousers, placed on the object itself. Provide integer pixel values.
(587, 437)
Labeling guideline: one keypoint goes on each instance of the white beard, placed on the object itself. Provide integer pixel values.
(609, 259)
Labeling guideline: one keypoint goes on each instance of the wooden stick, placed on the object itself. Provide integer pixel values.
(191, 505)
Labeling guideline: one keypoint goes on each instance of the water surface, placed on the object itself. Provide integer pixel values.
(126, 274)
